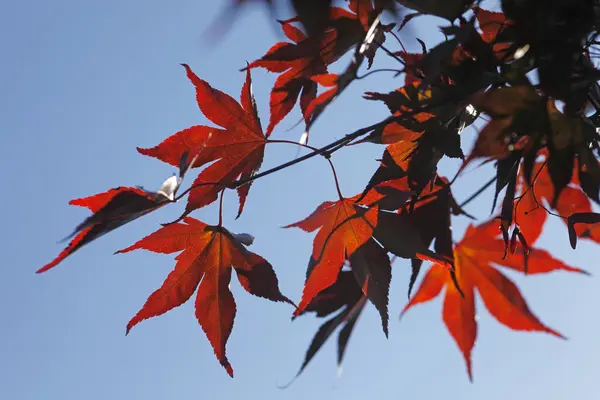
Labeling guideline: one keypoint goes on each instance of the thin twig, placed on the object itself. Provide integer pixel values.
(397, 71)
(337, 183)
(477, 193)
(391, 54)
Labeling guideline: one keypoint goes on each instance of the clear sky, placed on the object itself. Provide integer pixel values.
(82, 83)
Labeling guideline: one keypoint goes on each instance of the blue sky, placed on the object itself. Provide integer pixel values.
(83, 84)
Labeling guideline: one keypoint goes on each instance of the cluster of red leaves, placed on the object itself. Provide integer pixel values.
(301, 61)
(405, 209)
(208, 253)
(402, 168)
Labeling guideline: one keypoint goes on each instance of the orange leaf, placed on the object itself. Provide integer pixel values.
(475, 256)
(363, 8)
(343, 228)
(308, 56)
(238, 148)
(530, 216)
(491, 23)
(321, 101)
(208, 253)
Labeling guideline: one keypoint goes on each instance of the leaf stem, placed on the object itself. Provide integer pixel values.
(375, 71)
(325, 151)
(221, 207)
(477, 193)
(391, 54)
(327, 157)
(306, 146)
(399, 41)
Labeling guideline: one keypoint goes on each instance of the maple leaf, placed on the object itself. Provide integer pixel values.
(473, 257)
(372, 269)
(397, 234)
(411, 62)
(318, 104)
(513, 109)
(431, 211)
(343, 228)
(403, 134)
(345, 295)
(317, 16)
(412, 156)
(406, 99)
(306, 56)
(493, 25)
(530, 213)
(569, 142)
(314, 15)
(374, 36)
(117, 207)
(449, 62)
(389, 196)
(237, 149)
(293, 59)
(565, 140)
(346, 231)
(208, 254)
(408, 124)
(423, 69)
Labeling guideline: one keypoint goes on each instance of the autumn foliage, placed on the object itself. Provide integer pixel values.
(539, 133)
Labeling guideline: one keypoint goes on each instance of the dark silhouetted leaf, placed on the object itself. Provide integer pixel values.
(115, 208)
(396, 233)
(344, 294)
(371, 266)
(449, 9)
(580, 218)
(431, 213)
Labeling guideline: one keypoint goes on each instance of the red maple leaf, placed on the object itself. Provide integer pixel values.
(530, 212)
(238, 148)
(412, 73)
(410, 123)
(339, 82)
(473, 256)
(363, 235)
(364, 10)
(492, 24)
(111, 210)
(304, 57)
(322, 100)
(343, 228)
(208, 253)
